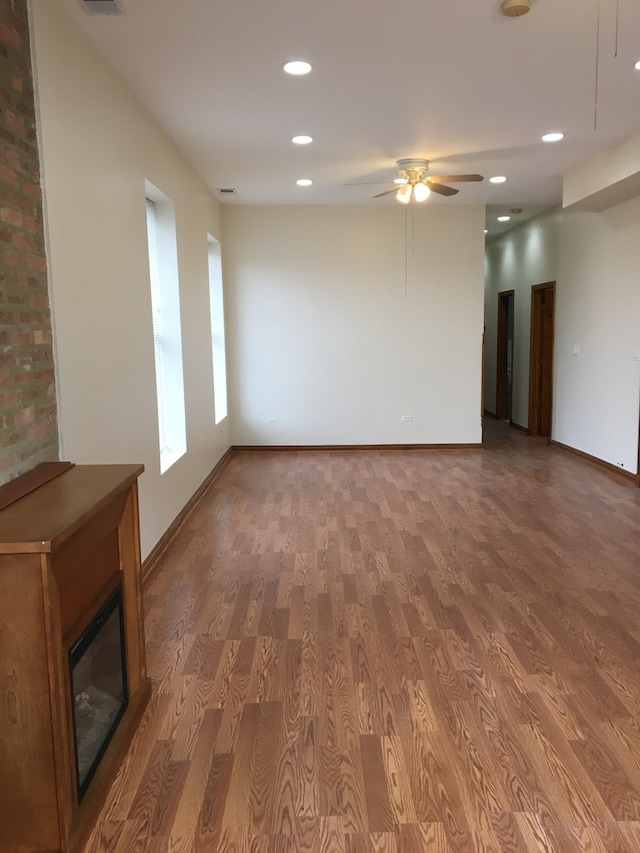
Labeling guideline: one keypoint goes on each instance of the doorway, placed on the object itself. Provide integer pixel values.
(504, 350)
(543, 297)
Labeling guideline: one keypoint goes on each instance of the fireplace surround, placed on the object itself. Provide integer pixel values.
(73, 681)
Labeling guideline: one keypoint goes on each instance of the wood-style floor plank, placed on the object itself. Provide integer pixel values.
(393, 651)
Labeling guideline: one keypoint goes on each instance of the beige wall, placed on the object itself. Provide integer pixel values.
(98, 146)
(598, 309)
(329, 337)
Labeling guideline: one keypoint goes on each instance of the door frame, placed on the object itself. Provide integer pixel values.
(501, 352)
(536, 353)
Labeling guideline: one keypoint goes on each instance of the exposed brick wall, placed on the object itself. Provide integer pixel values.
(28, 426)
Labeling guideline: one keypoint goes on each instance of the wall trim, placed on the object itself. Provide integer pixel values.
(488, 414)
(519, 427)
(151, 561)
(347, 448)
(605, 466)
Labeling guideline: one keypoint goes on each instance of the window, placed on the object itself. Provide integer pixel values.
(216, 307)
(167, 338)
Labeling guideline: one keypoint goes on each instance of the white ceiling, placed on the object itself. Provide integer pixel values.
(454, 82)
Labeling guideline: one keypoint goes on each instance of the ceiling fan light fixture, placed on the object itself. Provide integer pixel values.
(413, 180)
(421, 192)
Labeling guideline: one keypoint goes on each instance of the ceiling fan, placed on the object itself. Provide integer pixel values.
(415, 183)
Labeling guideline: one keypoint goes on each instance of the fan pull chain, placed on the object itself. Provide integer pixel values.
(595, 102)
(617, 26)
(406, 251)
(413, 230)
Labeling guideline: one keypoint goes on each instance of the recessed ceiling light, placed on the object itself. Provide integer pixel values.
(304, 182)
(486, 230)
(553, 137)
(504, 218)
(497, 179)
(637, 65)
(297, 67)
(302, 140)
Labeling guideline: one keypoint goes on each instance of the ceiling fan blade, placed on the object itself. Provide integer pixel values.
(386, 192)
(441, 188)
(455, 179)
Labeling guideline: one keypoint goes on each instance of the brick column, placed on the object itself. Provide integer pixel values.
(28, 425)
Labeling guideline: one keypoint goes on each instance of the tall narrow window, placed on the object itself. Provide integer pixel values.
(167, 337)
(216, 305)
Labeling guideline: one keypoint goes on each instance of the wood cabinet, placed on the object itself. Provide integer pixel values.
(63, 549)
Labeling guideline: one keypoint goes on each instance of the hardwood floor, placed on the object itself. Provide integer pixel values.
(394, 652)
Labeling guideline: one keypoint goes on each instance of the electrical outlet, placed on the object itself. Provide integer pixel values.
(576, 349)
(407, 419)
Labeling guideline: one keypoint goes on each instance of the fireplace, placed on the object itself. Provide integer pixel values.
(73, 682)
(98, 682)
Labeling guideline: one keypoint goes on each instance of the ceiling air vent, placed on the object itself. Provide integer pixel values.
(103, 7)
(227, 191)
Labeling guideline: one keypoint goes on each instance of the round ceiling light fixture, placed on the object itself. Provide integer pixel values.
(497, 179)
(302, 140)
(304, 182)
(555, 136)
(515, 8)
(404, 194)
(504, 218)
(421, 192)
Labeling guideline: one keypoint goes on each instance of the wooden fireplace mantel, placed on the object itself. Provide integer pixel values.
(64, 547)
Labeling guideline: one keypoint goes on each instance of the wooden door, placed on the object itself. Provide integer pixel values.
(541, 358)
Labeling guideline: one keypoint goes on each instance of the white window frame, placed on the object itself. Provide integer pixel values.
(167, 332)
(218, 345)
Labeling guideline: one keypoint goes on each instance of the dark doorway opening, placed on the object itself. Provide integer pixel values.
(504, 379)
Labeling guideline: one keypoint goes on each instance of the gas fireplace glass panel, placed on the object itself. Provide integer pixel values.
(98, 685)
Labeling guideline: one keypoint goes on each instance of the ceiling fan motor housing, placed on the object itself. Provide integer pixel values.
(414, 163)
(515, 8)
(413, 169)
